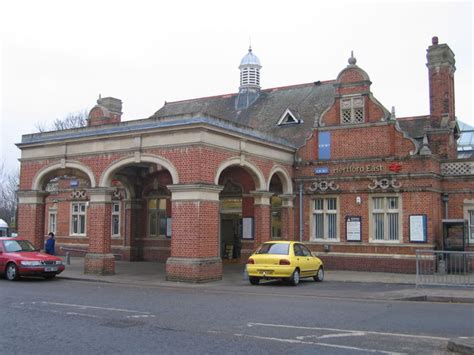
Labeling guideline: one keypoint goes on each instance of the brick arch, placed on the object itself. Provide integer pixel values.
(254, 171)
(284, 177)
(106, 177)
(68, 164)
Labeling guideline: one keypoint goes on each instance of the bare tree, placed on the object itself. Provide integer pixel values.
(41, 127)
(8, 194)
(71, 120)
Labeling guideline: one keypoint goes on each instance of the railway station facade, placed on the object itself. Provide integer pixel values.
(205, 181)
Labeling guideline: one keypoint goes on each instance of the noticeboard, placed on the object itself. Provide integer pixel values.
(168, 227)
(247, 228)
(353, 228)
(418, 228)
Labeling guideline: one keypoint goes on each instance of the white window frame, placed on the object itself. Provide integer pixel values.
(386, 211)
(352, 104)
(326, 212)
(116, 212)
(469, 216)
(52, 221)
(81, 213)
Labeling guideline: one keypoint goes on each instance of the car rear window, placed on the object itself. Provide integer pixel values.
(12, 246)
(274, 248)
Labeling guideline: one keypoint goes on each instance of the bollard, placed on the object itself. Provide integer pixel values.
(68, 258)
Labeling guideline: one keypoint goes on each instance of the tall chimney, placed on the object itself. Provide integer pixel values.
(441, 80)
(108, 110)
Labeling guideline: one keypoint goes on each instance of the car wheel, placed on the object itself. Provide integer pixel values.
(295, 278)
(319, 275)
(49, 277)
(12, 273)
(254, 280)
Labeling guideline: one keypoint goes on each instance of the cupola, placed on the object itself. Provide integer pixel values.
(249, 89)
(250, 71)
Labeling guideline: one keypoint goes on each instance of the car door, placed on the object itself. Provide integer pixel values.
(313, 263)
(303, 261)
(2, 257)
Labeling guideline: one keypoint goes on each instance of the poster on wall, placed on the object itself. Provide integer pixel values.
(418, 228)
(353, 228)
(168, 227)
(324, 145)
(247, 228)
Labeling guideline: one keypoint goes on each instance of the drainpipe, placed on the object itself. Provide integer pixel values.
(301, 211)
(445, 200)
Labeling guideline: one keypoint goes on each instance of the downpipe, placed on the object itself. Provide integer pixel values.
(301, 211)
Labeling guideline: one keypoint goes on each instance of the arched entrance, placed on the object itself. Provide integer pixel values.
(144, 207)
(231, 212)
(236, 213)
(57, 202)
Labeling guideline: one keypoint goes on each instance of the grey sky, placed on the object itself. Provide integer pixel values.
(57, 56)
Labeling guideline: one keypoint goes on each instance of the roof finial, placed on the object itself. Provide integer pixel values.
(352, 60)
(250, 44)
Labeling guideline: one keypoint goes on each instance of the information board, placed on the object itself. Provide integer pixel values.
(418, 228)
(353, 228)
(247, 228)
(168, 227)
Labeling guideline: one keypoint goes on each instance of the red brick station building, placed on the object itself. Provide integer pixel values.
(204, 181)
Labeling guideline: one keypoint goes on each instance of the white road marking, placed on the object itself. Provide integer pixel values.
(338, 335)
(347, 331)
(82, 315)
(293, 341)
(91, 307)
(142, 316)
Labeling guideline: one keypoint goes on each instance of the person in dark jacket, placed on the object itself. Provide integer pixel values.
(49, 247)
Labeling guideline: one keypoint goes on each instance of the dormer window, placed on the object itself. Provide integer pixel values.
(352, 110)
(288, 118)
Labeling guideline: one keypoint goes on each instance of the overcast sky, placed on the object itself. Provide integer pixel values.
(58, 56)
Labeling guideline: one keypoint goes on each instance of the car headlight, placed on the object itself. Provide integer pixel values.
(31, 263)
(59, 262)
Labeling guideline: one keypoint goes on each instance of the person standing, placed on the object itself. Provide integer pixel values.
(50, 243)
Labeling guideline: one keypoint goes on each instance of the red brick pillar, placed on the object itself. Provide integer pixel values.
(195, 234)
(287, 217)
(31, 216)
(262, 216)
(99, 259)
(132, 228)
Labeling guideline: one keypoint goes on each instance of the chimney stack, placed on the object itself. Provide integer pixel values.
(108, 110)
(441, 68)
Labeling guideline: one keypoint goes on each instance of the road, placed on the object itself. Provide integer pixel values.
(81, 317)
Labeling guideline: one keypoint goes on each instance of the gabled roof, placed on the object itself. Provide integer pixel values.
(308, 100)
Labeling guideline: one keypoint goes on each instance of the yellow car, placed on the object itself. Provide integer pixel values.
(284, 260)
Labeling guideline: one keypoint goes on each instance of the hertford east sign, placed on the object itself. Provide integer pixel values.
(358, 169)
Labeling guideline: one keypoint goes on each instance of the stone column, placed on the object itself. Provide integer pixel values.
(287, 217)
(99, 258)
(195, 234)
(262, 216)
(31, 216)
(132, 228)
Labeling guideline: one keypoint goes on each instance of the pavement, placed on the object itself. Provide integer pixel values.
(373, 286)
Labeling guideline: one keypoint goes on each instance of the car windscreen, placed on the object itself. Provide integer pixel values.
(12, 246)
(276, 248)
